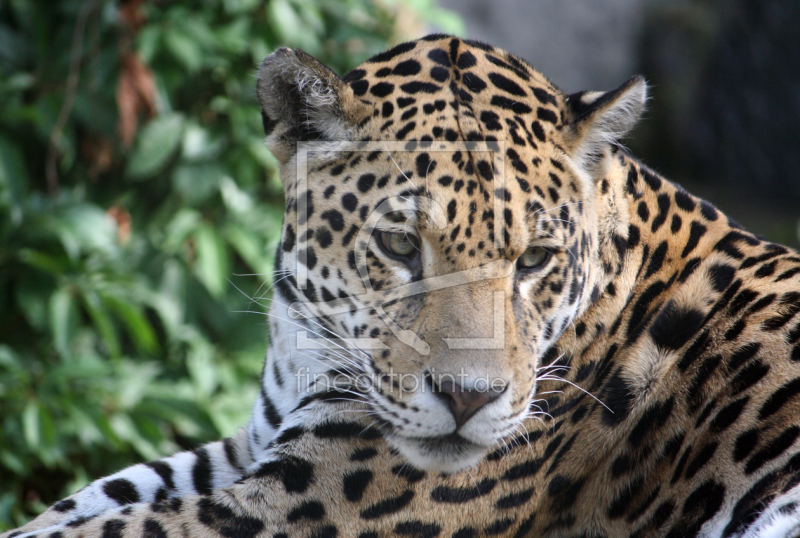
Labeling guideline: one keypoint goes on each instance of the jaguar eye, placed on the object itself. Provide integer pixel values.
(533, 258)
(400, 244)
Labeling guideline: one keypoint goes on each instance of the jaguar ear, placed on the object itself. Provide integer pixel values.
(598, 120)
(301, 99)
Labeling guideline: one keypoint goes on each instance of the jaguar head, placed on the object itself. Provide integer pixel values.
(443, 230)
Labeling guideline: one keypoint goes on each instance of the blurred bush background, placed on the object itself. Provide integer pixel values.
(139, 210)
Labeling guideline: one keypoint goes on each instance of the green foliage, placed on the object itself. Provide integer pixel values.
(129, 251)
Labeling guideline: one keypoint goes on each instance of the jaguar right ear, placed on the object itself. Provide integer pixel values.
(599, 119)
(301, 99)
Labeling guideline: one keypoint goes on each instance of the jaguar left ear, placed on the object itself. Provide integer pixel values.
(301, 99)
(598, 120)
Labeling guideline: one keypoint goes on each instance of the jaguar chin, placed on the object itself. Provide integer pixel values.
(446, 454)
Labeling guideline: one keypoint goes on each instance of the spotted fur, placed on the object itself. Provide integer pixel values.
(647, 367)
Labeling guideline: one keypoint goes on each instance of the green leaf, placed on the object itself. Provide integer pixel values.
(261, 154)
(137, 378)
(148, 42)
(238, 6)
(184, 49)
(85, 228)
(291, 27)
(251, 248)
(139, 328)
(156, 143)
(31, 295)
(13, 179)
(197, 182)
(30, 424)
(7, 357)
(126, 429)
(197, 28)
(12, 462)
(63, 321)
(200, 143)
(55, 264)
(183, 223)
(169, 299)
(212, 266)
(40, 432)
(237, 200)
(202, 368)
(85, 426)
(47, 427)
(233, 37)
(102, 321)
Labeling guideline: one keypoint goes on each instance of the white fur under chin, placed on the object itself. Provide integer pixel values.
(610, 126)
(440, 461)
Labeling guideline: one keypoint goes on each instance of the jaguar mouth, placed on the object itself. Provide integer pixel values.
(446, 453)
(452, 441)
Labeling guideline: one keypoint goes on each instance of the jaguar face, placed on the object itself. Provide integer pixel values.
(438, 236)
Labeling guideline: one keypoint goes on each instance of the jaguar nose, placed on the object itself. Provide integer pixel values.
(462, 402)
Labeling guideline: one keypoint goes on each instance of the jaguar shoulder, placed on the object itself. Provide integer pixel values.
(489, 319)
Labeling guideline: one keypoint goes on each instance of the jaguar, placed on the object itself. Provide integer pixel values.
(488, 319)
